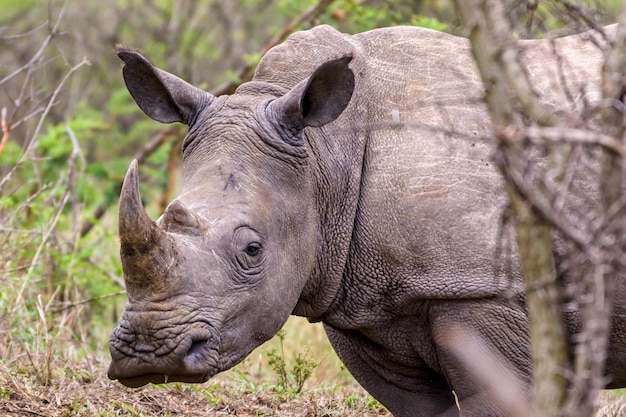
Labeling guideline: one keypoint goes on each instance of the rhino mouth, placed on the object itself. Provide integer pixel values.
(136, 364)
(140, 381)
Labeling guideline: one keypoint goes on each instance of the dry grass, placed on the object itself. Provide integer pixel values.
(79, 387)
(611, 404)
(82, 389)
(76, 385)
(76, 392)
(100, 397)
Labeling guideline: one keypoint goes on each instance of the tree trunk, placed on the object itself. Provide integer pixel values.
(497, 60)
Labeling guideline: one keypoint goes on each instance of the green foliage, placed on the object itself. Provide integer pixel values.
(5, 393)
(290, 377)
(11, 8)
(354, 16)
(56, 277)
(429, 22)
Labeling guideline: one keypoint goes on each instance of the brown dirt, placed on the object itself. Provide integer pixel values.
(21, 395)
(73, 392)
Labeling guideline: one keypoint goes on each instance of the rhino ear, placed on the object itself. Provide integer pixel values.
(319, 99)
(161, 95)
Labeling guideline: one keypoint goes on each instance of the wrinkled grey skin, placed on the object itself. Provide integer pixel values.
(357, 192)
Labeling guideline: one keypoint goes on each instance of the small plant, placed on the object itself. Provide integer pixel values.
(367, 402)
(291, 378)
(211, 394)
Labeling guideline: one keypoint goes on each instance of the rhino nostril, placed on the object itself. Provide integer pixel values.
(197, 347)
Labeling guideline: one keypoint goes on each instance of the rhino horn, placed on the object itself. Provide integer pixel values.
(147, 252)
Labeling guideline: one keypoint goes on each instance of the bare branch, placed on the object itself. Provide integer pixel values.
(488, 369)
(600, 287)
(51, 102)
(71, 176)
(88, 301)
(507, 86)
(6, 129)
(543, 135)
(543, 207)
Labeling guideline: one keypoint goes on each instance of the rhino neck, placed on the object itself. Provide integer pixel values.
(336, 160)
(335, 155)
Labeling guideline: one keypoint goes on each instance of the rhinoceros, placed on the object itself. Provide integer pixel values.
(350, 182)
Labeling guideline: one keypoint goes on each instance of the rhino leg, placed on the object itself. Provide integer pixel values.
(483, 350)
(414, 396)
(616, 360)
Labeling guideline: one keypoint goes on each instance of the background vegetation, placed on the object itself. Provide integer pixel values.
(69, 130)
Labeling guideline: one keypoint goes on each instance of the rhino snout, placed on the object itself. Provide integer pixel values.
(136, 363)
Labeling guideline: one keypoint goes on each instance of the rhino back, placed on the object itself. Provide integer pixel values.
(403, 174)
(417, 137)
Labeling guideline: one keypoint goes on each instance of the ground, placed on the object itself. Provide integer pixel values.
(21, 396)
(58, 382)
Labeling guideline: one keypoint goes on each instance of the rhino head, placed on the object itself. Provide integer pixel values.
(222, 269)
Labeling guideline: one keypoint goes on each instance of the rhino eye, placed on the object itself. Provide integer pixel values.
(253, 249)
(248, 250)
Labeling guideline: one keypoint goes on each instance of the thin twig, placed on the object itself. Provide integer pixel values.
(71, 175)
(172, 165)
(6, 129)
(35, 57)
(90, 300)
(539, 135)
(581, 240)
(8, 38)
(51, 102)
